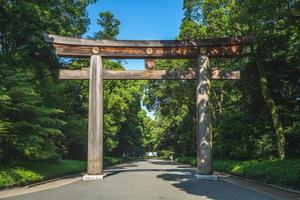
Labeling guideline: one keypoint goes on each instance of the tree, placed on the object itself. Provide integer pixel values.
(264, 98)
(123, 121)
(110, 26)
(175, 111)
(31, 123)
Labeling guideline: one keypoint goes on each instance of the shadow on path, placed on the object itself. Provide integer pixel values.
(163, 162)
(181, 177)
(217, 190)
(116, 171)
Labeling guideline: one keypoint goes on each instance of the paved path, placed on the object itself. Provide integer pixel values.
(147, 180)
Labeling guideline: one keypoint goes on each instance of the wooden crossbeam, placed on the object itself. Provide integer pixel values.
(78, 47)
(84, 74)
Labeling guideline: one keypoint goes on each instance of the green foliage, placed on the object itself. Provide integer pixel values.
(110, 26)
(32, 118)
(187, 160)
(124, 120)
(280, 172)
(166, 154)
(42, 118)
(30, 122)
(110, 161)
(24, 173)
(21, 173)
(240, 136)
(175, 111)
(284, 173)
(251, 118)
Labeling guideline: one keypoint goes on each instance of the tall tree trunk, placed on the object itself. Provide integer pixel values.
(273, 111)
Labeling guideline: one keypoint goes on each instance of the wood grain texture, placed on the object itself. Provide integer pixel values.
(79, 74)
(204, 130)
(56, 39)
(141, 52)
(83, 74)
(95, 121)
(149, 64)
(220, 47)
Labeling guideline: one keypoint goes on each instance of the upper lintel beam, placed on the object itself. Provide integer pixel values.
(78, 47)
(55, 39)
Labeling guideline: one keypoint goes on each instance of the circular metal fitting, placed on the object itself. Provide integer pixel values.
(149, 51)
(202, 50)
(95, 50)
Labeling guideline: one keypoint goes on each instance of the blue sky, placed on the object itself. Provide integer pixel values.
(140, 20)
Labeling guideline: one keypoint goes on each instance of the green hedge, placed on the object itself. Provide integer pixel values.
(109, 161)
(284, 173)
(23, 173)
(187, 160)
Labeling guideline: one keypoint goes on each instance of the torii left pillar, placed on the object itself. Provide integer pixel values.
(95, 127)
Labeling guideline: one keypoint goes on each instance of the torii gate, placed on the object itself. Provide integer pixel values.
(148, 50)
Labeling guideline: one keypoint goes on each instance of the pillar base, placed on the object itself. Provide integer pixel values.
(92, 177)
(206, 177)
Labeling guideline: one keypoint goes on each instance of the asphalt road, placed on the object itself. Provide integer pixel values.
(147, 180)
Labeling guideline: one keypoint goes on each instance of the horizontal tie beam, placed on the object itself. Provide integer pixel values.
(84, 74)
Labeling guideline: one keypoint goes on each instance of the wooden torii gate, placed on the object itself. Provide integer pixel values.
(148, 50)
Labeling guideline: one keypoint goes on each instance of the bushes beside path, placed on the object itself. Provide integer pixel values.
(24, 173)
(285, 173)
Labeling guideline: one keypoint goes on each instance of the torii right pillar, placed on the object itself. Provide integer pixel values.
(204, 129)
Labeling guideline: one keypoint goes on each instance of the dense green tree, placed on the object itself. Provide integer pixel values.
(276, 51)
(31, 123)
(109, 24)
(264, 99)
(123, 122)
(42, 118)
(174, 106)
